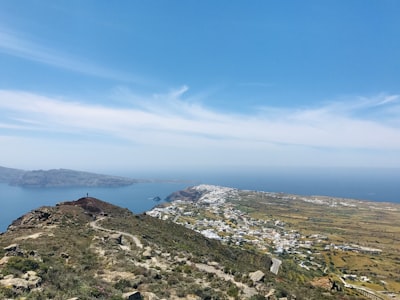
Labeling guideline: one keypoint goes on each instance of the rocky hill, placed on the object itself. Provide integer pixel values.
(61, 178)
(90, 249)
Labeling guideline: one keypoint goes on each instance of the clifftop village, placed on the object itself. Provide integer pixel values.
(215, 216)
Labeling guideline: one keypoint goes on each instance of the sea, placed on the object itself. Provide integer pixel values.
(381, 185)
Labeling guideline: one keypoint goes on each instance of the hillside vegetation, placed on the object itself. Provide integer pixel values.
(91, 249)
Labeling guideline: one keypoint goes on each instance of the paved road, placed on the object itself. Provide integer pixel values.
(363, 290)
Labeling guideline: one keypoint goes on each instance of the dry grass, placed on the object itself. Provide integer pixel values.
(368, 224)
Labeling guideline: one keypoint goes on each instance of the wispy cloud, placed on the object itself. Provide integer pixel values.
(17, 45)
(168, 120)
(257, 84)
(389, 99)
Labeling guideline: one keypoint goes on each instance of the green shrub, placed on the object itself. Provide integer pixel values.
(122, 284)
(6, 293)
(257, 297)
(233, 291)
(18, 264)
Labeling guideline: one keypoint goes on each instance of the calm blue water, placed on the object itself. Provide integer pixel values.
(381, 185)
(16, 201)
(365, 184)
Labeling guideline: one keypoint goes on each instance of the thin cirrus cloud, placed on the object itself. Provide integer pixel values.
(12, 43)
(389, 99)
(257, 84)
(175, 121)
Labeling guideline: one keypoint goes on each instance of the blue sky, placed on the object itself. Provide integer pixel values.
(101, 85)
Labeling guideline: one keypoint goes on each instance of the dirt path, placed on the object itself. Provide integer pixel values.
(248, 291)
(136, 241)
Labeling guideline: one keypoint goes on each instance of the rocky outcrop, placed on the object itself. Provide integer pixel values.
(134, 295)
(116, 238)
(95, 207)
(13, 250)
(257, 276)
(42, 216)
(147, 253)
(150, 296)
(30, 280)
(189, 194)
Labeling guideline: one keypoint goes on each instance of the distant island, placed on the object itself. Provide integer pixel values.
(62, 178)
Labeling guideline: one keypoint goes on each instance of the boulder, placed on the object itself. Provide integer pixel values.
(4, 260)
(257, 276)
(134, 295)
(29, 281)
(150, 296)
(12, 247)
(117, 238)
(147, 253)
(16, 283)
(32, 278)
(13, 250)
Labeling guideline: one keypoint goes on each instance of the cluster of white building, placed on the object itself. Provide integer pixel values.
(215, 217)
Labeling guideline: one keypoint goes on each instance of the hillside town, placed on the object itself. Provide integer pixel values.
(214, 213)
(216, 217)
